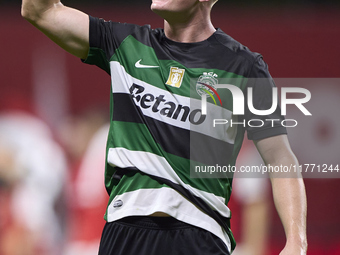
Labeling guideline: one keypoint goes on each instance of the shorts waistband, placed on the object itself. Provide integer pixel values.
(152, 222)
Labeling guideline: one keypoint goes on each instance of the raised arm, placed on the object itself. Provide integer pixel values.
(288, 191)
(67, 27)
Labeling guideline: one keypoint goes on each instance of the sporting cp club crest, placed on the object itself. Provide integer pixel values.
(206, 84)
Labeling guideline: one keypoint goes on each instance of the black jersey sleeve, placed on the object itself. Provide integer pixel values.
(262, 126)
(105, 38)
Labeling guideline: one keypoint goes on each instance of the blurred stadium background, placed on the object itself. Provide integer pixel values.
(298, 39)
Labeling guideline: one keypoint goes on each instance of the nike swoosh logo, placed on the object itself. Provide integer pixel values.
(139, 65)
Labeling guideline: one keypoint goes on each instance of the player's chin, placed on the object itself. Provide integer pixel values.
(158, 5)
(157, 10)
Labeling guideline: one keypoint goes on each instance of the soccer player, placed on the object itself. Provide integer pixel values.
(158, 131)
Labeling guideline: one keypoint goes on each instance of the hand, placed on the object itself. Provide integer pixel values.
(294, 249)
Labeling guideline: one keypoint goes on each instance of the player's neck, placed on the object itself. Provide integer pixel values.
(196, 29)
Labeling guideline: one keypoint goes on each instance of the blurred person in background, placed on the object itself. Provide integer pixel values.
(84, 137)
(137, 148)
(250, 205)
(32, 174)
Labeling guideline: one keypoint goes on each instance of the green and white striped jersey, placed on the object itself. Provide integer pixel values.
(158, 132)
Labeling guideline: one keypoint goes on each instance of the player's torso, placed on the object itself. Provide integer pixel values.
(160, 85)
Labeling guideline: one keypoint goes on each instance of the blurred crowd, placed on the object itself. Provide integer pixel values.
(52, 192)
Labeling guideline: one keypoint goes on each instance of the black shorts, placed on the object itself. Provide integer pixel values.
(139, 235)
